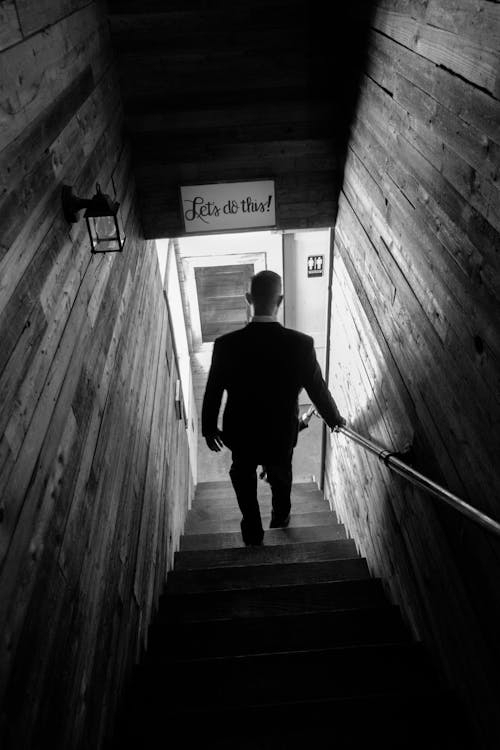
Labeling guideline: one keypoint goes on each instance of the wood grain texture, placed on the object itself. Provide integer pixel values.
(94, 471)
(38, 14)
(10, 30)
(455, 34)
(38, 69)
(415, 326)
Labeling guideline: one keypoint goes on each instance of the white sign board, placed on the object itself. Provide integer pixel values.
(223, 207)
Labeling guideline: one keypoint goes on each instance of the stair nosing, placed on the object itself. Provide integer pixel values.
(260, 587)
(332, 521)
(424, 693)
(273, 564)
(228, 578)
(306, 584)
(245, 562)
(385, 697)
(251, 620)
(295, 529)
(331, 650)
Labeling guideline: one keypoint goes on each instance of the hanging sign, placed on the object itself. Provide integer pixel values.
(227, 206)
(315, 264)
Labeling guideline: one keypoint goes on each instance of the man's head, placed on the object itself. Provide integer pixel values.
(265, 293)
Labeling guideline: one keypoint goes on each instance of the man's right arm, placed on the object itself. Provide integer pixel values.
(318, 390)
(212, 401)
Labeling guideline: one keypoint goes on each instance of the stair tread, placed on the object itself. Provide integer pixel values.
(283, 646)
(221, 525)
(289, 535)
(299, 492)
(286, 599)
(414, 719)
(263, 489)
(227, 511)
(381, 719)
(344, 654)
(207, 487)
(228, 499)
(283, 632)
(308, 674)
(311, 551)
(241, 577)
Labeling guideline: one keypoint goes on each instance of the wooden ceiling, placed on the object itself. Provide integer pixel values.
(226, 90)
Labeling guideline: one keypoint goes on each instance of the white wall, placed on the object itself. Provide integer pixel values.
(222, 244)
(172, 288)
(306, 299)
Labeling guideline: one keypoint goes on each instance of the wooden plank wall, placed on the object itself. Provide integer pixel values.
(94, 476)
(415, 352)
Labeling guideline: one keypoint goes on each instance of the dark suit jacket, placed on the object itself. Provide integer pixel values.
(263, 367)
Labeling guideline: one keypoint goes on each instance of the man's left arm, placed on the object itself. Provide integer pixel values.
(212, 401)
(318, 392)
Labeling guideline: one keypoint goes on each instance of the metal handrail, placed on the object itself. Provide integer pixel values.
(415, 477)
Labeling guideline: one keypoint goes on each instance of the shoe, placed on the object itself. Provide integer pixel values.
(251, 536)
(279, 523)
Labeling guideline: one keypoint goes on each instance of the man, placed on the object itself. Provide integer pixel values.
(263, 367)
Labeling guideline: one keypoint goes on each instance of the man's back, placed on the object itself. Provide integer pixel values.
(263, 367)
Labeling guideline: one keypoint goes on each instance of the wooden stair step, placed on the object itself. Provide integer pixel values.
(208, 512)
(429, 719)
(229, 502)
(276, 600)
(228, 497)
(282, 646)
(222, 526)
(240, 577)
(211, 487)
(265, 555)
(290, 535)
(294, 675)
(303, 490)
(254, 635)
(207, 486)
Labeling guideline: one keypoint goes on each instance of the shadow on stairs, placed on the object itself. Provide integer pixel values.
(288, 645)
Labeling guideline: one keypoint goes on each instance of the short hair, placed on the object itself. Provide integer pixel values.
(265, 285)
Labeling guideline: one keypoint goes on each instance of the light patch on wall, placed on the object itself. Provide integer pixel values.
(162, 252)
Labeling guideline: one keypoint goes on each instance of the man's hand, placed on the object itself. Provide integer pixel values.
(214, 441)
(341, 423)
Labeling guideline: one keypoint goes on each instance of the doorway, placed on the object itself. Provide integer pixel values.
(212, 274)
(306, 256)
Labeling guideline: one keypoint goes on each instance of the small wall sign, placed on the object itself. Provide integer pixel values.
(315, 265)
(222, 207)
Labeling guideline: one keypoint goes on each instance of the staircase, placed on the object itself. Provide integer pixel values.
(288, 645)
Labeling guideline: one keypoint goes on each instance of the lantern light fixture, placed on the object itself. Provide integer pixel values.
(103, 219)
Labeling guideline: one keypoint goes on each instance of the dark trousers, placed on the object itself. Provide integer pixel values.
(243, 475)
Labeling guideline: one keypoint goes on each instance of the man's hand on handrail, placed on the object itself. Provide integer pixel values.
(214, 441)
(312, 411)
(341, 423)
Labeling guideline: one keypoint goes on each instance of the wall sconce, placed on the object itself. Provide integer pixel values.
(103, 221)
